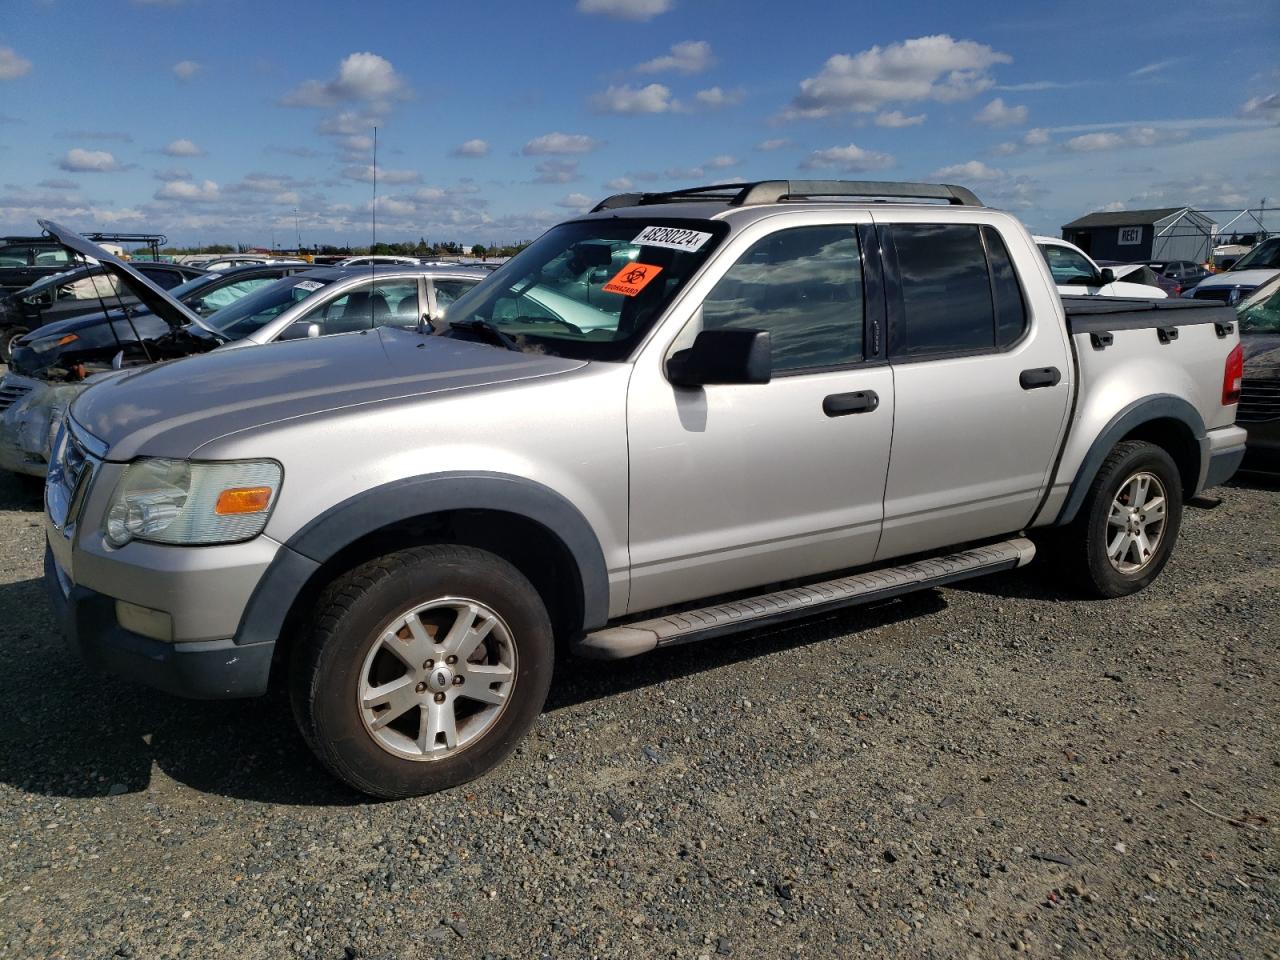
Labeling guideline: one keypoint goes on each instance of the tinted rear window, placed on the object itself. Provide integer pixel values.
(946, 290)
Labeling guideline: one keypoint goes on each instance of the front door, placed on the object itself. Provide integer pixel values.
(736, 486)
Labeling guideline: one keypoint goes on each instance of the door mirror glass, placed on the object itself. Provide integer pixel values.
(1108, 276)
(300, 330)
(723, 356)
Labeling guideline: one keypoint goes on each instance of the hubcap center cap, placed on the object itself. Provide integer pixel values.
(439, 679)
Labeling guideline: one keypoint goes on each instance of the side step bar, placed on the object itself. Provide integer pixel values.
(641, 636)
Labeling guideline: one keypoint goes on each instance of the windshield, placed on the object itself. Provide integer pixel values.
(1265, 256)
(255, 311)
(1260, 313)
(591, 289)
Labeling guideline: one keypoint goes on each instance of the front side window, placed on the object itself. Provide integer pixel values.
(250, 314)
(1068, 266)
(588, 289)
(52, 257)
(804, 286)
(15, 255)
(379, 304)
(946, 290)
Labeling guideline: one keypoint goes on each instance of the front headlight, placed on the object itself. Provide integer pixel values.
(52, 343)
(184, 502)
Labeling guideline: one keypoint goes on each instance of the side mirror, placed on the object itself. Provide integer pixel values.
(1107, 276)
(723, 356)
(300, 330)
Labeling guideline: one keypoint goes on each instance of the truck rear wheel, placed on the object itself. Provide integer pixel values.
(1129, 522)
(422, 670)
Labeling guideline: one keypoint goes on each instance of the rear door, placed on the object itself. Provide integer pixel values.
(981, 382)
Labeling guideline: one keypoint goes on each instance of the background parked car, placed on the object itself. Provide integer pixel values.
(1175, 276)
(1259, 409)
(378, 259)
(1243, 277)
(24, 260)
(245, 259)
(74, 293)
(1076, 274)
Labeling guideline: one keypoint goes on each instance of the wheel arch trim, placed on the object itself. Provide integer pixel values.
(402, 500)
(1133, 416)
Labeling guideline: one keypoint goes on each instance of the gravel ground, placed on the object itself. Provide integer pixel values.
(967, 772)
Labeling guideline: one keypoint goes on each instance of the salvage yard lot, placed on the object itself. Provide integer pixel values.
(964, 772)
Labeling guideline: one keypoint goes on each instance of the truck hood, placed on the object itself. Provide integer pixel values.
(172, 409)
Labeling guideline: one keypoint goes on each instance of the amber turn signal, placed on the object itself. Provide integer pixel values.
(243, 500)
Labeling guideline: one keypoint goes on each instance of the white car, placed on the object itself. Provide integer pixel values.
(1244, 276)
(1077, 275)
(378, 260)
(244, 259)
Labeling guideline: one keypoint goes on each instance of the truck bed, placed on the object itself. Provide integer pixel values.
(1099, 314)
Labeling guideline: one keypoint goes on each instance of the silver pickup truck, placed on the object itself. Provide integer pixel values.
(680, 416)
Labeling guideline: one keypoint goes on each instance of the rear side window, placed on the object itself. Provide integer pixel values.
(447, 291)
(805, 287)
(946, 290)
(1010, 308)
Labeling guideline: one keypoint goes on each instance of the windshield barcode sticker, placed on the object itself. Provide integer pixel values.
(309, 285)
(674, 238)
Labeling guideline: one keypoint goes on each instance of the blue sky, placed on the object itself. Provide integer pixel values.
(212, 120)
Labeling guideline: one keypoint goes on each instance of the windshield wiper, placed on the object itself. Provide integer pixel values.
(490, 329)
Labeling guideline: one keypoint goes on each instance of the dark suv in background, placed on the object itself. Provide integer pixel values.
(24, 260)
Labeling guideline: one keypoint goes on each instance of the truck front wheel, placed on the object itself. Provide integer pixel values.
(422, 670)
(1129, 522)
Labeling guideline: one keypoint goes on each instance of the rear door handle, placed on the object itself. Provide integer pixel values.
(843, 404)
(1038, 377)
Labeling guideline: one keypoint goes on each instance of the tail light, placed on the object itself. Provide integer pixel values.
(1232, 375)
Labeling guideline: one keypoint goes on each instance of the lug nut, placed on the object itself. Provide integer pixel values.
(421, 688)
(457, 681)
(451, 659)
(428, 665)
(439, 698)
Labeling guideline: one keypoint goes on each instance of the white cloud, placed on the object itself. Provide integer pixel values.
(640, 10)
(189, 191)
(576, 201)
(924, 68)
(89, 161)
(59, 184)
(186, 69)
(850, 159)
(1263, 108)
(1151, 68)
(472, 148)
(713, 98)
(183, 148)
(999, 114)
(1145, 136)
(687, 56)
(971, 171)
(620, 183)
(557, 171)
(364, 174)
(559, 143)
(13, 66)
(896, 118)
(1036, 137)
(626, 99)
(777, 143)
(173, 173)
(361, 76)
(1036, 85)
(722, 162)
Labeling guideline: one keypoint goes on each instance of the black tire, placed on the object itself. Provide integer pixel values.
(328, 660)
(8, 340)
(1085, 542)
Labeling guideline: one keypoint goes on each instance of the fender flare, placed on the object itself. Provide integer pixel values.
(1161, 407)
(346, 522)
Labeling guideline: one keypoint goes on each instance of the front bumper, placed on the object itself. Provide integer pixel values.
(207, 670)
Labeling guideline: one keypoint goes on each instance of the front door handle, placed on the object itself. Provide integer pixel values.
(843, 404)
(1038, 377)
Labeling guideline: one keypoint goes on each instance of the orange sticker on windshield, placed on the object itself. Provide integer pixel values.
(631, 280)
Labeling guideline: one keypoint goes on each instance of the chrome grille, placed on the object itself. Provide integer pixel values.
(1259, 400)
(11, 392)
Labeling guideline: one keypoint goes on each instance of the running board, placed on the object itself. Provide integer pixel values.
(749, 613)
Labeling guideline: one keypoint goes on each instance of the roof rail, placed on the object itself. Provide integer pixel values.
(780, 191)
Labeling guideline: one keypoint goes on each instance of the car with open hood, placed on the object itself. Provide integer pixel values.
(246, 306)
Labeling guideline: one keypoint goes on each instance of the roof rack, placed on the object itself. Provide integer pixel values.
(780, 191)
